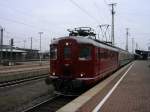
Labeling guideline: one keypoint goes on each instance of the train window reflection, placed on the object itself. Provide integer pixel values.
(53, 53)
(67, 52)
(85, 53)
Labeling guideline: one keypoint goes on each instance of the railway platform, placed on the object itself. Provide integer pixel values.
(21, 72)
(127, 90)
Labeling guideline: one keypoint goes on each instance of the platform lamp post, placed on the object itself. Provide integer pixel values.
(40, 54)
(1, 43)
(11, 55)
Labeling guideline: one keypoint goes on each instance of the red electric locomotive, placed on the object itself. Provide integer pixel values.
(80, 61)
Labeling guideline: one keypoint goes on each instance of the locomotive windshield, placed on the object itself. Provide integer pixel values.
(85, 53)
(67, 52)
(53, 52)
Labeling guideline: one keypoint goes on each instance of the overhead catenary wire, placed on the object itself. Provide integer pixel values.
(23, 13)
(14, 21)
(33, 27)
(18, 22)
(85, 11)
(107, 4)
(98, 10)
(73, 2)
(15, 10)
(25, 24)
(26, 14)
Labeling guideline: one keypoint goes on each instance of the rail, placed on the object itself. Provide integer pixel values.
(50, 105)
(22, 80)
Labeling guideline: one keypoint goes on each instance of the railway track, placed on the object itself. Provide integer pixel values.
(22, 80)
(50, 105)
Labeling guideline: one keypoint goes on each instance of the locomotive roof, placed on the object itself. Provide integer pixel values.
(90, 40)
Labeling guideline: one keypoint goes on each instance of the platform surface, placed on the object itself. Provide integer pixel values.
(133, 92)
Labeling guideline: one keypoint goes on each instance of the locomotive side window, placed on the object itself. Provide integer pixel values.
(85, 53)
(53, 52)
(67, 52)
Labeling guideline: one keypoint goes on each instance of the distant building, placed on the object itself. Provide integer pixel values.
(18, 54)
(30, 53)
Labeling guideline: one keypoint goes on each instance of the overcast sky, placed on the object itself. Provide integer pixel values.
(23, 19)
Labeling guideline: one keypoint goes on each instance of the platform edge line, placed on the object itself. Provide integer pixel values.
(98, 107)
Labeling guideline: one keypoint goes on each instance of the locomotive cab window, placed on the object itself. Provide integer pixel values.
(67, 53)
(85, 53)
(53, 52)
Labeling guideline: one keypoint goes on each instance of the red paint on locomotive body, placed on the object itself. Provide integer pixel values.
(82, 59)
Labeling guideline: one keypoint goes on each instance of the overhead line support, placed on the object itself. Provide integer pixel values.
(112, 26)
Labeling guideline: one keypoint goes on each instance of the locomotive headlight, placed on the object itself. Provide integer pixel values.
(53, 73)
(81, 75)
(67, 43)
